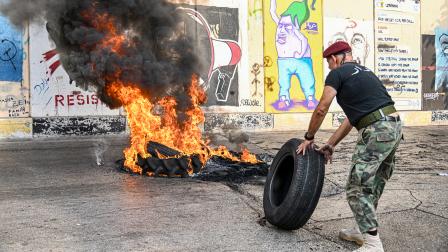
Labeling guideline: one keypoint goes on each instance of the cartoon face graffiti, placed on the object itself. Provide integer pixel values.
(360, 48)
(351, 33)
(285, 30)
(290, 41)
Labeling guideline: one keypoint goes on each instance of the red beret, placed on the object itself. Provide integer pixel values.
(337, 48)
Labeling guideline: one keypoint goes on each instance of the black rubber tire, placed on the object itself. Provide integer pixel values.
(162, 149)
(171, 167)
(293, 186)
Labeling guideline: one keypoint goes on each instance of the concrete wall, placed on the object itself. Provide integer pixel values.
(421, 100)
(58, 106)
(434, 14)
(37, 97)
(15, 118)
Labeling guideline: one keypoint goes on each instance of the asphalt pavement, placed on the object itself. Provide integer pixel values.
(65, 194)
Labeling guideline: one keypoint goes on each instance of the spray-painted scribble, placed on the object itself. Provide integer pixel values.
(13, 106)
(270, 82)
(256, 8)
(11, 52)
(255, 82)
(439, 116)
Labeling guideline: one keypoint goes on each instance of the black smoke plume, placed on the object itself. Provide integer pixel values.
(158, 54)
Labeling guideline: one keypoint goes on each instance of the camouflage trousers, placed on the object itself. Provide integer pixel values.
(372, 165)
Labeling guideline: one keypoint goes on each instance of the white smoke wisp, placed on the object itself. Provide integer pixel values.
(100, 147)
(232, 137)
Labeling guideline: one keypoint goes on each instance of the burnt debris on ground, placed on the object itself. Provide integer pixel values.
(221, 169)
(216, 168)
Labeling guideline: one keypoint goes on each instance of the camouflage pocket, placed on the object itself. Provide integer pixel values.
(364, 136)
(385, 137)
(361, 174)
(355, 174)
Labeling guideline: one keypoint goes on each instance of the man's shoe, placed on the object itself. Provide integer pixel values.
(352, 234)
(372, 243)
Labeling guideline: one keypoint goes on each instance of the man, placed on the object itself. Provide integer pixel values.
(294, 53)
(370, 109)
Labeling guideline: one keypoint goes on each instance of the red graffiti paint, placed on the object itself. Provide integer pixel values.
(76, 100)
(49, 55)
(55, 65)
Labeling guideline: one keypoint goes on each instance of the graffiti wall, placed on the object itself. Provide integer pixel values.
(441, 57)
(293, 36)
(52, 91)
(252, 97)
(11, 54)
(398, 52)
(358, 33)
(434, 97)
(441, 48)
(217, 35)
(14, 91)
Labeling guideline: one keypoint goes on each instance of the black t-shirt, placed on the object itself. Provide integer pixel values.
(359, 91)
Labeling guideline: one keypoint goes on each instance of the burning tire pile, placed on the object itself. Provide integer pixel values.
(175, 165)
(217, 168)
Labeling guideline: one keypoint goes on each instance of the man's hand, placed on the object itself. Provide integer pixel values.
(305, 145)
(327, 150)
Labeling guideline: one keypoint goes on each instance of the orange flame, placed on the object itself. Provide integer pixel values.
(248, 157)
(157, 121)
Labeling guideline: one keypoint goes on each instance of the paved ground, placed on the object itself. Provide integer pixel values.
(414, 207)
(54, 197)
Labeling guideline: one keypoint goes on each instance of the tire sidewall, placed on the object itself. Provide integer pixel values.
(303, 192)
(277, 212)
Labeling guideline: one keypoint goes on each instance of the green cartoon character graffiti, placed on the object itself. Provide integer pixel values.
(294, 54)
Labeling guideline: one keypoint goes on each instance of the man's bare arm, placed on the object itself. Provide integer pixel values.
(274, 11)
(317, 118)
(340, 133)
(321, 111)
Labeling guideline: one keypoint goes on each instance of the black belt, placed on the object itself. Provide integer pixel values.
(381, 114)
